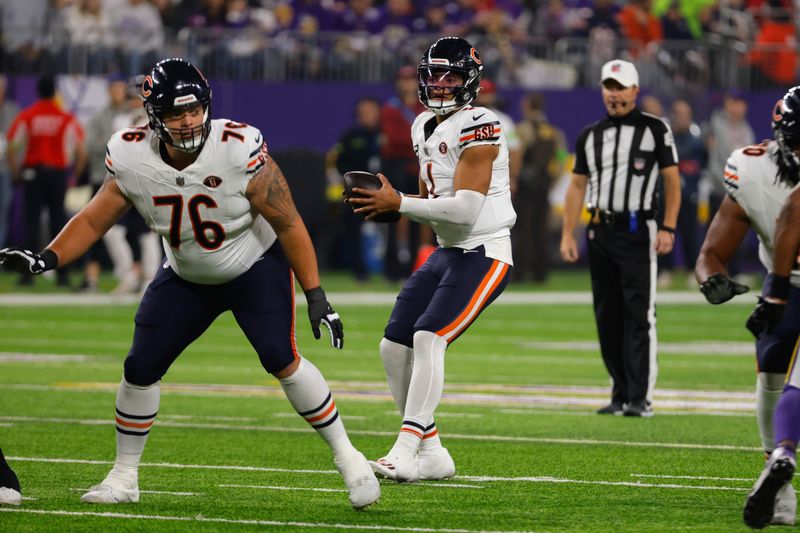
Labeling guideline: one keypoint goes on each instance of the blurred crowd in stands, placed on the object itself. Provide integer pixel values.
(529, 43)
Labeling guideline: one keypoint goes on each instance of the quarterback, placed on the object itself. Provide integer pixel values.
(234, 242)
(758, 179)
(465, 197)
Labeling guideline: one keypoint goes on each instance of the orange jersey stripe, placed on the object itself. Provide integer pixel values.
(323, 415)
(484, 282)
(138, 425)
(731, 175)
(472, 136)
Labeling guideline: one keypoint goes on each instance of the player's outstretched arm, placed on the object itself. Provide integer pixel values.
(80, 233)
(269, 194)
(725, 234)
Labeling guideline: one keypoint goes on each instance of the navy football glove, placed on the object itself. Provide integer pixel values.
(320, 311)
(26, 261)
(765, 317)
(719, 288)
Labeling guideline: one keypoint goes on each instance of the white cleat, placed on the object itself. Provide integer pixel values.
(402, 468)
(785, 507)
(435, 464)
(361, 482)
(10, 496)
(117, 487)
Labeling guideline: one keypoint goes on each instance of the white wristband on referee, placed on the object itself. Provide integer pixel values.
(463, 208)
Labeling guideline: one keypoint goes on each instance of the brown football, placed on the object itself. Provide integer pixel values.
(371, 182)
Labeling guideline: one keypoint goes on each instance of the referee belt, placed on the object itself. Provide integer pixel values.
(607, 218)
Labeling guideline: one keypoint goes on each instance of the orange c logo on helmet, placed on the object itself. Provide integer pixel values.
(474, 54)
(147, 86)
(777, 111)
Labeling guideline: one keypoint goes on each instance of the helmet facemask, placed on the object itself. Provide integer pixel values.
(189, 140)
(444, 89)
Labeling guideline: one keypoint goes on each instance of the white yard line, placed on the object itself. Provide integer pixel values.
(166, 492)
(274, 487)
(472, 437)
(666, 401)
(710, 478)
(276, 523)
(548, 479)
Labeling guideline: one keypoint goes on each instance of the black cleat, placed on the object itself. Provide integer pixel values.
(760, 504)
(641, 408)
(614, 408)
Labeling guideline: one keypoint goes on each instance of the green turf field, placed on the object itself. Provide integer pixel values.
(228, 453)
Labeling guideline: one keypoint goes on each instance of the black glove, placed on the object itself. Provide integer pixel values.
(320, 311)
(28, 262)
(719, 288)
(765, 317)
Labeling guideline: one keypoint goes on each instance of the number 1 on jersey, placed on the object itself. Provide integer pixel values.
(199, 226)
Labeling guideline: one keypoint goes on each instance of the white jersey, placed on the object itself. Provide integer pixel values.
(751, 178)
(209, 230)
(438, 157)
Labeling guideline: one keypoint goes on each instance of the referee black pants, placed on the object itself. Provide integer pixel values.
(623, 269)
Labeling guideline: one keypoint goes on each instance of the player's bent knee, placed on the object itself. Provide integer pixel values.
(140, 374)
(287, 370)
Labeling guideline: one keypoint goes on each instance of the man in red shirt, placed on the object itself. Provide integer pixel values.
(47, 140)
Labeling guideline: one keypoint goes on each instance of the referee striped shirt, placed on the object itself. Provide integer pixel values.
(622, 157)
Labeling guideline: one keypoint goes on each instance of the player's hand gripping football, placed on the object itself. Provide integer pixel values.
(372, 203)
(320, 311)
(28, 262)
(719, 288)
(765, 316)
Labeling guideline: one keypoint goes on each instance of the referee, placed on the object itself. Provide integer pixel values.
(620, 158)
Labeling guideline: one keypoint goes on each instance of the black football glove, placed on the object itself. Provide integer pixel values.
(26, 261)
(320, 311)
(719, 288)
(765, 317)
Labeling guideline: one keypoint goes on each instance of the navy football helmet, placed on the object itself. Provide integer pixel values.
(175, 83)
(786, 129)
(449, 75)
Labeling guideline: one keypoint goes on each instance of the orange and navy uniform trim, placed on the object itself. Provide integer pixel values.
(430, 431)
(138, 425)
(409, 426)
(109, 163)
(730, 177)
(255, 161)
(487, 131)
(480, 298)
(322, 416)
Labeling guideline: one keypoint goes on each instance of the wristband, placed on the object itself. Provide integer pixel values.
(776, 286)
(49, 258)
(668, 229)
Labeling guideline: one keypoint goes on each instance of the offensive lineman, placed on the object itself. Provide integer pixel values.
(777, 307)
(465, 197)
(758, 179)
(201, 184)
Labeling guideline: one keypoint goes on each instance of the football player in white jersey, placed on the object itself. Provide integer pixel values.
(465, 197)
(234, 241)
(758, 179)
(778, 309)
